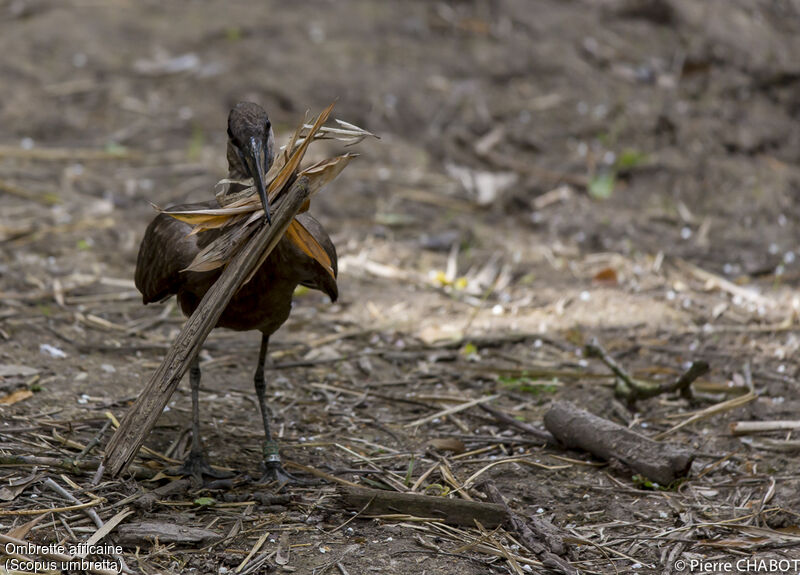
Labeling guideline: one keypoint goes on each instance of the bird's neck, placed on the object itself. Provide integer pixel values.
(236, 171)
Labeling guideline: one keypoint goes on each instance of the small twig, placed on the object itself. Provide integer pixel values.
(72, 499)
(94, 441)
(503, 549)
(709, 412)
(451, 410)
(746, 427)
(102, 529)
(594, 349)
(48, 199)
(253, 551)
(318, 473)
(697, 369)
(503, 417)
(92, 503)
(69, 153)
(69, 465)
(714, 281)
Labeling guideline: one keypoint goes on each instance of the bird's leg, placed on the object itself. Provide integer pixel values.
(195, 464)
(272, 459)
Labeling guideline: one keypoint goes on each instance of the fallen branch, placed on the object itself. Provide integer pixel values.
(144, 413)
(632, 389)
(662, 463)
(452, 410)
(70, 465)
(539, 536)
(135, 534)
(452, 511)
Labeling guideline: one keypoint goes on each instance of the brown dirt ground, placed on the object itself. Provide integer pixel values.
(502, 124)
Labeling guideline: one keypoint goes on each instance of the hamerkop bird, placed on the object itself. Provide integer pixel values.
(263, 303)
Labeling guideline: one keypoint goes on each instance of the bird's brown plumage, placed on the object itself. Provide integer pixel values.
(263, 303)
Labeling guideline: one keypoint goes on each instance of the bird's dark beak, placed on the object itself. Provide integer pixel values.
(256, 166)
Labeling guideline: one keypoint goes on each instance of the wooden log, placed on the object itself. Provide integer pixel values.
(138, 534)
(659, 462)
(452, 511)
(143, 414)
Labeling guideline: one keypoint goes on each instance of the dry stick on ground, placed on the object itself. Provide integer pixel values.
(453, 511)
(69, 465)
(746, 427)
(503, 417)
(630, 389)
(659, 462)
(135, 534)
(532, 533)
(144, 413)
(72, 499)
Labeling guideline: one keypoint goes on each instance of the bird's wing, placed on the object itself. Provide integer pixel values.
(166, 249)
(321, 280)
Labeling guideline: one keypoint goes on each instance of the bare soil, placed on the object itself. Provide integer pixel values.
(548, 172)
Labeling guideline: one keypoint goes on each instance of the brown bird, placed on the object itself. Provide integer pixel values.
(264, 303)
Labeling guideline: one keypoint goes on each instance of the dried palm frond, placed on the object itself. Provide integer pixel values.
(240, 211)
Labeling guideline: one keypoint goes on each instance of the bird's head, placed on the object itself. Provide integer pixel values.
(250, 146)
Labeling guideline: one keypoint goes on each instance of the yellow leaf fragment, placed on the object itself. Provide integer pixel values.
(302, 238)
(294, 161)
(16, 396)
(324, 172)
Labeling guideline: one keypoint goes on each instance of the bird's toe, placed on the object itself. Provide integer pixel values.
(197, 467)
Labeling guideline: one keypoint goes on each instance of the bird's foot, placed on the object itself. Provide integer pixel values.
(273, 469)
(275, 473)
(197, 467)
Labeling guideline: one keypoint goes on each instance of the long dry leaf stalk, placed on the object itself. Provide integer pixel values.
(238, 214)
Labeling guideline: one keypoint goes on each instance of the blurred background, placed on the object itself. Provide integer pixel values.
(627, 168)
(522, 133)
